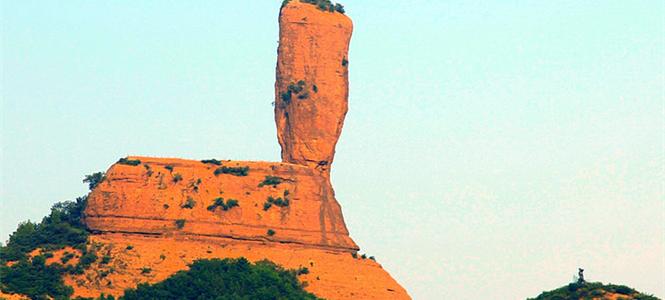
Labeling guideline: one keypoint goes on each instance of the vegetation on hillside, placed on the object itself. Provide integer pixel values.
(94, 179)
(592, 290)
(226, 279)
(31, 276)
(236, 171)
(219, 202)
(129, 162)
(271, 180)
(324, 5)
(212, 161)
(62, 227)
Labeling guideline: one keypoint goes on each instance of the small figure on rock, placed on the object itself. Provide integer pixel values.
(580, 275)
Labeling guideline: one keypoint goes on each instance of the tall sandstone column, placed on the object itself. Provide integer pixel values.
(312, 87)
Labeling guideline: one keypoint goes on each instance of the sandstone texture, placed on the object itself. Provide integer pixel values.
(311, 90)
(157, 216)
(152, 197)
(151, 217)
(332, 274)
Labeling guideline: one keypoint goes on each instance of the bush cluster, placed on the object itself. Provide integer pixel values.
(31, 276)
(237, 171)
(219, 202)
(589, 290)
(94, 179)
(271, 180)
(180, 223)
(225, 279)
(177, 177)
(279, 201)
(129, 162)
(212, 161)
(324, 5)
(62, 227)
(189, 204)
(298, 89)
(35, 279)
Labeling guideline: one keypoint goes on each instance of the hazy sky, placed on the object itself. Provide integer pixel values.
(491, 148)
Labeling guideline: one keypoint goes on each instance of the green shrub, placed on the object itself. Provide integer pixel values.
(88, 258)
(129, 162)
(270, 180)
(589, 290)
(236, 171)
(225, 279)
(324, 5)
(105, 259)
(281, 202)
(339, 8)
(129, 247)
(63, 227)
(169, 167)
(270, 232)
(230, 204)
(94, 179)
(212, 161)
(286, 97)
(302, 271)
(66, 257)
(295, 89)
(180, 223)
(219, 202)
(345, 62)
(190, 203)
(620, 289)
(146, 270)
(177, 177)
(35, 279)
(32, 277)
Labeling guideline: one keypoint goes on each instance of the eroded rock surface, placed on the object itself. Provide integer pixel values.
(311, 91)
(153, 218)
(332, 274)
(175, 196)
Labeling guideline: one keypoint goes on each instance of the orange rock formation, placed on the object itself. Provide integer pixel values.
(312, 84)
(162, 214)
(151, 197)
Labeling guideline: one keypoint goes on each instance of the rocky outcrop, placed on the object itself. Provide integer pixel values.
(138, 258)
(161, 214)
(311, 90)
(175, 196)
(151, 217)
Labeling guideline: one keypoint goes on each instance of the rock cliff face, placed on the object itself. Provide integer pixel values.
(152, 197)
(311, 91)
(160, 214)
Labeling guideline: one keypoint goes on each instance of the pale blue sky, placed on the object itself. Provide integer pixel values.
(491, 147)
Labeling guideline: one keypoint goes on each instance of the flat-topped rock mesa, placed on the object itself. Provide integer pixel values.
(161, 196)
(160, 214)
